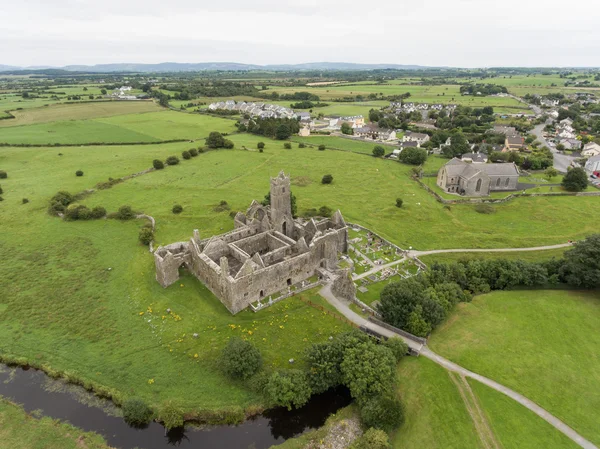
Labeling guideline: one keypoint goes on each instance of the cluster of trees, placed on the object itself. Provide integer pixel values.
(307, 104)
(300, 96)
(413, 156)
(278, 128)
(420, 303)
(464, 117)
(482, 89)
(195, 89)
(217, 140)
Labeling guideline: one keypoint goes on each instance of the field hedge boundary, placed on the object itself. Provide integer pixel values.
(89, 144)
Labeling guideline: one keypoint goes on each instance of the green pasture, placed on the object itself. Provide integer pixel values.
(529, 256)
(541, 343)
(342, 143)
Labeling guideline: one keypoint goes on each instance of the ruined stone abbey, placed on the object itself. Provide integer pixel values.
(267, 251)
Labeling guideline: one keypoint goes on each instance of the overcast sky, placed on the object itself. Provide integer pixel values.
(460, 33)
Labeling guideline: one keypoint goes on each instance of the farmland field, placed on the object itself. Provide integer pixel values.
(529, 256)
(541, 343)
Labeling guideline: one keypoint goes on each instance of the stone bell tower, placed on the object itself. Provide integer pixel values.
(281, 207)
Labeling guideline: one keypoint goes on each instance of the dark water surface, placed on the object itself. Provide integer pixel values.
(35, 391)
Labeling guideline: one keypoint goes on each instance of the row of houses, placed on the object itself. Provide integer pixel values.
(259, 109)
(411, 107)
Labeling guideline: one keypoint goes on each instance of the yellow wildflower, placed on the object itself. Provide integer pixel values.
(150, 381)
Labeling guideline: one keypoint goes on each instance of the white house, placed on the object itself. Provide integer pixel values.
(420, 138)
(591, 149)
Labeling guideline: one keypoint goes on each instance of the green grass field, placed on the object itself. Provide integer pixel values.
(18, 430)
(541, 343)
(529, 256)
(342, 143)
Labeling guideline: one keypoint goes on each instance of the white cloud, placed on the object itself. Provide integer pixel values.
(464, 33)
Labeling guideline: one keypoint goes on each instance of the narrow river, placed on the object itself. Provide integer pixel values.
(35, 391)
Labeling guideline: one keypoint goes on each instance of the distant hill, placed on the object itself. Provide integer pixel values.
(195, 67)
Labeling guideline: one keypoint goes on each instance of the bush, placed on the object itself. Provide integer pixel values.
(483, 208)
(215, 140)
(77, 212)
(222, 206)
(325, 211)
(125, 213)
(78, 173)
(1, 199)
(62, 197)
(228, 144)
(301, 145)
(382, 412)
(575, 180)
(172, 160)
(372, 439)
(136, 412)
(321, 147)
(1, 191)
(288, 388)
(261, 150)
(240, 359)
(146, 236)
(378, 151)
(327, 179)
(158, 164)
(177, 209)
(193, 152)
(171, 415)
(397, 346)
(3, 174)
(399, 202)
(260, 145)
(24, 200)
(84, 213)
(186, 155)
(98, 212)
(287, 146)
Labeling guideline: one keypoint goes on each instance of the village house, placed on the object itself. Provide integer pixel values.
(591, 149)
(375, 133)
(506, 130)
(513, 143)
(304, 131)
(592, 166)
(474, 158)
(570, 144)
(469, 179)
(420, 138)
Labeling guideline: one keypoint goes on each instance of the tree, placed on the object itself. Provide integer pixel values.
(397, 346)
(581, 266)
(413, 156)
(458, 145)
(186, 155)
(79, 173)
(158, 164)
(103, 91)
(575, 180)
(146, 236)
(382, 412)
(378, 151)
(215, 140)
(172, 160)
(177, 209)
(416, 324)
(283, 132)
(288, 388)
(324, 360)
(550, 173)
(346, 129)
(368, 369)
(240, 359)
(260, 145)
(327, 179)
(372, 439)
(399, 202)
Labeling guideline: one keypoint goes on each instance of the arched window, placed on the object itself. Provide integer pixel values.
(478, 186)
(506, 182)
(498, 182)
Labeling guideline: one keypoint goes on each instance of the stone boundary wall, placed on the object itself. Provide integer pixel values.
(387, 242)
(369, 309)
(282, 297)
(512, 196)
(408, 335)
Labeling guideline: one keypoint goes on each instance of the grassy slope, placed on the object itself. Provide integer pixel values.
(436, 417)
(543, 344)
(18, 430)
(515, 426)
(342, 143)
(530, 256)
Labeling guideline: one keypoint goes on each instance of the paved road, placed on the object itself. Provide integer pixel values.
(561, 161)
(343, 307)
(493, 250)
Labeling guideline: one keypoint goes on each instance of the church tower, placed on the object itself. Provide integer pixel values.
(281, 207)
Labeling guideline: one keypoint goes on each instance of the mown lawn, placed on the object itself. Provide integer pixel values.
(541, 343)
(18, 430)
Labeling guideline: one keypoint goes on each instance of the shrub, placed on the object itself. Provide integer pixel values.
(1, 191)
(193, 152)
(301, 145)
(1, 199)
(240, 359)
(575, 180)
(412, 155)
(399, 202)
(3, 174)
(372, 439)
(260, 145)
(327, 179)
(382, 412)
(177, 209)
(77, 212)
(378, 151)
(136, 412)
(172, 160)
(201, 150)
(288, 388)
(125, 213)
(158, 164)
(261, 150)
(397, 346)
(321, 147)
(287, 146)
(222, 206)
(171, 415)
(228, 144)
(325, 211)
(78, 173)
(62, 197)
(215, 140)
(483, 208)
(24, 200)
(84, 213)
(146, 235)
(98, 212)
(186, 155)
